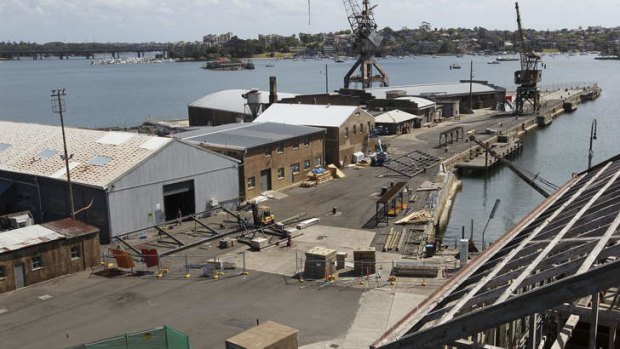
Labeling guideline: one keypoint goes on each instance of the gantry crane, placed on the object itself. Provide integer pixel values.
(366, 41)
(529, 76)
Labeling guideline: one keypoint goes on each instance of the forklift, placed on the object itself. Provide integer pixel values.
(262, 215)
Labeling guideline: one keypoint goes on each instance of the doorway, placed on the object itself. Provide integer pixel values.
(265, 179)
(179, 196)
(20, 276)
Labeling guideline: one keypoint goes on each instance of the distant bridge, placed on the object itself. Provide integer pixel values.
(83, 50)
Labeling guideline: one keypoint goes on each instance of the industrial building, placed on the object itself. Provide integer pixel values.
(348, 127)
(394, 99)
(550, 282)
(449, 95)
(41, 252)
(122, 181)
(230, 106)
(396, 121)
(273, 155)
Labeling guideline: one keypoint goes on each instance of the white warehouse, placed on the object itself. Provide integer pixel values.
(127, 181)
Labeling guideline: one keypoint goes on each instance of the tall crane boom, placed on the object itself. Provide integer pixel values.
(529, 76)
(366, 40)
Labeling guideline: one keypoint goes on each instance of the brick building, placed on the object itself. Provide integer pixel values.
(41, 252)
(348, 127)
(273, 155)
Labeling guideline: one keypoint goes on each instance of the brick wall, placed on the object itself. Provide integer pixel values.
(55, 258)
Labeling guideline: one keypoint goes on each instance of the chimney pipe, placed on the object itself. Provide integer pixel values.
(273, 90)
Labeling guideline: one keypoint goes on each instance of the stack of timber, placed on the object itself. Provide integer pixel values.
(414, 270)
(320, 263)
(417, 217)
(364, 261)
(336, 173)
(267, 335)
(317, 176)
(393, 240)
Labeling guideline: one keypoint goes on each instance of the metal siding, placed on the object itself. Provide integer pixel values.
(135, 208)
(136, 195)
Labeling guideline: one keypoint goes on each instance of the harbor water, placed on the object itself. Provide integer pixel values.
(127, 94)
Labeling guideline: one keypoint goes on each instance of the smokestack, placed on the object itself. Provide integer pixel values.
(273, 90)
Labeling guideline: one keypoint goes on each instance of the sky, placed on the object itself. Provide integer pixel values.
(188, 20)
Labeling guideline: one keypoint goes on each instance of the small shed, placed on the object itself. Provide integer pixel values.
(320, 262)
(392, 202)
(269, 335)
(41, 252)
(397, 121)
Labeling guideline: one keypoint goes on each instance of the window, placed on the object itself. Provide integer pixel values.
(318, 161)
(2, 272)
(76, 252)
(47, 153)
(251, 182)
(354, 129)
(281, 173)
(295, 167)
(361, 127)
(100, 160)
(369, 127)
(280, 148)
(307, 140)
(36, 262)
(268, 151)
(306, 164)
(296, 143)
(346, 132)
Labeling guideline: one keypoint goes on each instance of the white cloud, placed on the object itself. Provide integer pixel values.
(172, 20)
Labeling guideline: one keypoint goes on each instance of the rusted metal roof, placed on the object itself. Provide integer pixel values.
(26, 142)
(28, 236)
(68, 228)
(564, 250)
(71, 228)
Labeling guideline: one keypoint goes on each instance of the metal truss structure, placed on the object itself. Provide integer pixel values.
(552, 281)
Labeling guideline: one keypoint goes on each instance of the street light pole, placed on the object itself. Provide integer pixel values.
(592, 138)
(58, 107)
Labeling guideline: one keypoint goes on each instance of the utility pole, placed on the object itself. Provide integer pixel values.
(592, 138)
(471, 78)
(58, 106)
(326, 80)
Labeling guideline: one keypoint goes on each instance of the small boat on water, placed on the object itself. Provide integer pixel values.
(506, 58)
(455, 66)
(339, 60)
(225, 65)
(270, 65)
(493, 62)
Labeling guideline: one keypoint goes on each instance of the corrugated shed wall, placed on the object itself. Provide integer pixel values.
(134, 198)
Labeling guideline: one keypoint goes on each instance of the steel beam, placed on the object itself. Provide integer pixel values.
(159, 229)
(538, 300)
(204, 225)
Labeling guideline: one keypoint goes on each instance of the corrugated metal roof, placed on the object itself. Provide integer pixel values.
(36, 234)
(125, 150)
(395, 117)
(232, 101)
(70, 228)
(421, 102)
(308, 114)
(28, 236)
(246, 135)
(447, 89)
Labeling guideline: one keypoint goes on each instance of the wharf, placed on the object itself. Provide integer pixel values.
(349, 312)
(478, 159)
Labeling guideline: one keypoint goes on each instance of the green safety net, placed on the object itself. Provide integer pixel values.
(157, 338)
